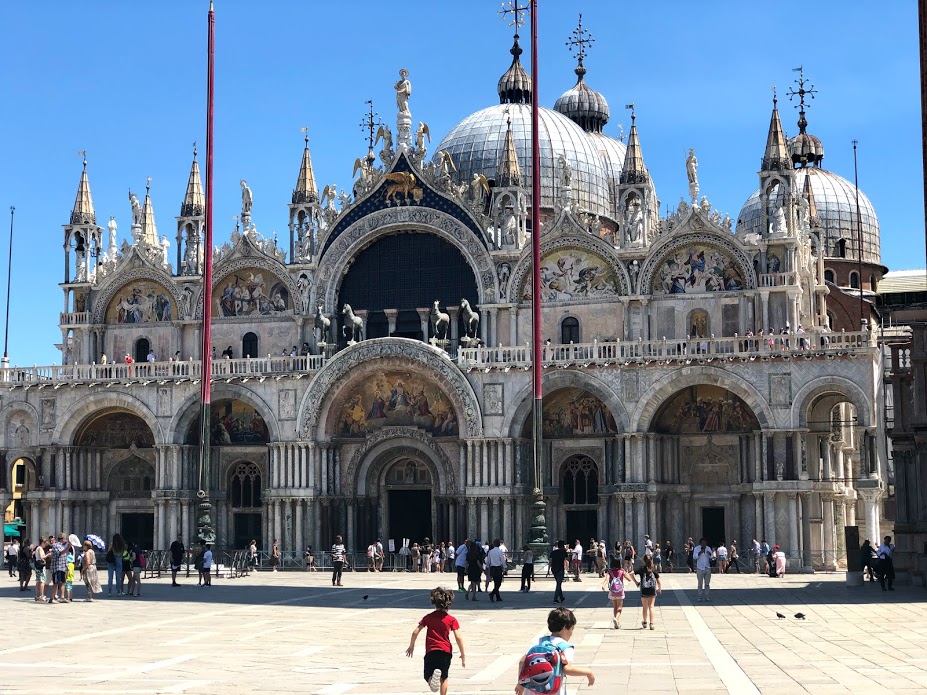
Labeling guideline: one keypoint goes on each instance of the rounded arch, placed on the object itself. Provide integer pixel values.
(573, 239)
(380, 450)
(69, 425)
(569, 328)
(375, 355)
(651, 400)
(831, 385)
(725, 243)
(189, 411)
(119, 281)
(362, 233)
(133, 475)
(516, 418)
(19, 425)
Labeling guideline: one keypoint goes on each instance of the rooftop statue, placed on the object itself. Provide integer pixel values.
(246, 198)
(692, 173)
(136, 208)
(403, 92)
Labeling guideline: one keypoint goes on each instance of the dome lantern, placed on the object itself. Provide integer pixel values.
(515, 85)
(804, 148)
(582, 104)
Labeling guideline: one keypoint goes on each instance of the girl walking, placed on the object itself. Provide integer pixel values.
(474, 569)
(650, 589)
(88, 571)
(615, 577)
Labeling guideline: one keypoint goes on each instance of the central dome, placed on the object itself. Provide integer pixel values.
(476, 145)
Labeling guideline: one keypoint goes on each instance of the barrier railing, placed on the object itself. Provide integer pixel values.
(688, 349)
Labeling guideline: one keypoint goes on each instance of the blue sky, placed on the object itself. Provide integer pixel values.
(125, 81)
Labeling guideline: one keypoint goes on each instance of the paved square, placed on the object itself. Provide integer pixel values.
(295, 633)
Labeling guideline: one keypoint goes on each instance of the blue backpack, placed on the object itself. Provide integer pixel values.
(542, 670)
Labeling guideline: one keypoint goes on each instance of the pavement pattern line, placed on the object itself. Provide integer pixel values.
(729, 671)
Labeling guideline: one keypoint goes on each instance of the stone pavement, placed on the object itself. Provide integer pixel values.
(295, 633)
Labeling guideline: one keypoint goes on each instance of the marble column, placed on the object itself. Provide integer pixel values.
(652, 529)
(829, 535)
(769, 517)
(484, 519)
(640, 505)
(840, 522)
(299, 539)
(805, 498)
(794, 550)
(508, 524)
(628, 517)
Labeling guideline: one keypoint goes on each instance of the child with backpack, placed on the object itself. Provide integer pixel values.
(650, 589)
(545, 667)
(615, 577)
(438, 651)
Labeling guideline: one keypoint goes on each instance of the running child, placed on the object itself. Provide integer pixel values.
(615, 577)
(551, 659)
(438, 650)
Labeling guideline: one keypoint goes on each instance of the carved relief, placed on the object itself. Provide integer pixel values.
(493, 401)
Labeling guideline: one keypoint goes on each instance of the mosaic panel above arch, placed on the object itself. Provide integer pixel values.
(142, 301)
(232, 422)
(569, 274)
(250, 292)
(115, 429)
(698, 263)
(705, 409)
(396, 398)
(574, 412)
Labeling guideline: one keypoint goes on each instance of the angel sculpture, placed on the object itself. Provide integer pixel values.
(445, 163)
(385, 134)
(479, 189)
(329, 193)
(420, 135)
(362, 185)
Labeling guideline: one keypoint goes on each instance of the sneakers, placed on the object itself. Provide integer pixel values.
(651, 626)
(435, 681)
(700, 599)
(616, 623)
(643, 624)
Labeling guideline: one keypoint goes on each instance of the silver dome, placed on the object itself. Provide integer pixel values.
(476, 145)
(584, 106)
(835, 200)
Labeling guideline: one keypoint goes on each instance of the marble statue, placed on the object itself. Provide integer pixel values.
(165, 251)
(81, 268)
(403, 91)
(635, 221)
(509, 227)
(246, 198)
(566, 171)
(778, 225)
(386, 153)
(305, 291)
(479, 189)
(504, 273)
(136, 209)
(186, 302)
(111, 226)
(804, 209)
(344, 199)
(634, 270)
(692, 173)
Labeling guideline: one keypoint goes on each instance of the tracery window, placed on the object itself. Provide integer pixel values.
(245, 486)
(580, 482)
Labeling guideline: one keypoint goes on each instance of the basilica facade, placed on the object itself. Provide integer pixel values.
(703, 373)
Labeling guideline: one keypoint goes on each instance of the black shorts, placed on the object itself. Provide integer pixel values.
(437, 660)
(58, 576)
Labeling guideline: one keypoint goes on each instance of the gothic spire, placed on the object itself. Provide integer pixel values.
(83, 212)
(812, 207)
(149, 228)
(634, 170)
(194, 200)
(509, 173)
(777, 148)
(306, 190)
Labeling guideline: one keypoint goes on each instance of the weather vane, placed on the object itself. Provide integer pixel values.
(306, 132)
(83, 153)
(802, 91)
(194, 149)
(518, 14)
(369, 123)
(580, 39)
(148, 185)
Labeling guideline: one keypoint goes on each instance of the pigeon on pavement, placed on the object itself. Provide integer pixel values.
(780, 616)
(365, 597)
(800, 616)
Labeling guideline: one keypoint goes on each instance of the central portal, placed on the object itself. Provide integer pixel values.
(713, 525)
(408, 489)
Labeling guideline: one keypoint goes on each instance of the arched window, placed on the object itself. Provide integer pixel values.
(569, 330)
(142, 348)
(872, 283)
(580, 482)
(828, 275)
(840, 249)
(249, 345)
(854, 280)
(245, 486)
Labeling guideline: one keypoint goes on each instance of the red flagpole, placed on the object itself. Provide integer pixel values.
(205, 531)
(539, 525)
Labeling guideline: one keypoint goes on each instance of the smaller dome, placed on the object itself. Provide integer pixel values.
(515, 85)
(583, 105)
(805, 148)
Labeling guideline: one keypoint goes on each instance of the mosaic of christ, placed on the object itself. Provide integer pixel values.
(396, 398)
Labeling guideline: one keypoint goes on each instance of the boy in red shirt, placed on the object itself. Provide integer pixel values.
(438, 650)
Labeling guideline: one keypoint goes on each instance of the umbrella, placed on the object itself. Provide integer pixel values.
(74, 541)
(98, 542)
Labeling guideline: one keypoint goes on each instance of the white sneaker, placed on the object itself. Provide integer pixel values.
(616, 623)
(435, 681)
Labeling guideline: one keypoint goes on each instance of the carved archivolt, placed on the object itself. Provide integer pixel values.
(721, 241)
(581, 241)
(372, 353)
(342, 252)
(125, 276)
(401, 435)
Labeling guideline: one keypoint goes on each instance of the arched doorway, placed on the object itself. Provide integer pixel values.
(245, 490)
(408, 484)
(249, 345)
(24, 480)
(579, 493)
(130, 484)
(142, 348)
